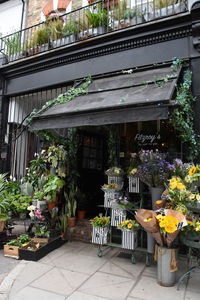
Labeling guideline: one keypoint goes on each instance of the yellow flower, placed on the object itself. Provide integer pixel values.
(158, 202)
(190, 223)
(147, 219)
(171, 219)
(133, 171)
(192, 170)
(181, 186)
(198, 197)
(129, 226)
(191, 196)
(170, 228)
(160, 217)
(173, 185)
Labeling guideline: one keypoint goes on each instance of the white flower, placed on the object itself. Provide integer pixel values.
(14, 179)
(31, 214)
(31, 207)
(43, 151)
(11, 177)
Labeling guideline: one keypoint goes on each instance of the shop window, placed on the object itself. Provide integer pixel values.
(92, 153)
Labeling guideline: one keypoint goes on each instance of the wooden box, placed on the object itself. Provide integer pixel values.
(40, 240)
(11, 251)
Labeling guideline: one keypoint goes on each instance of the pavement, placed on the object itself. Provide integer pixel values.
(75, 272)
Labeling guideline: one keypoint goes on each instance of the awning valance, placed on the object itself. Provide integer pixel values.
(139, 96)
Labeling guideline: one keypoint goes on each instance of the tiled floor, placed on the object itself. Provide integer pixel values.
(75, 272)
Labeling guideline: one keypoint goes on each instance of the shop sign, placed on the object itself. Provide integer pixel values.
(147, 139)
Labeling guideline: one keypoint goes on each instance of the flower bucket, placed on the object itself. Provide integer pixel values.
(133, 184)
(109, 196)
(156, 193)
(99, 235)
(129, 239)
(118, 215)
(115, 179)
(166, 266)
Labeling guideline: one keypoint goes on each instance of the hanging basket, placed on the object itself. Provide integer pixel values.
(129, 239)
(99, 235)
(118, 215)
(115, 179)
(133, 184)
(109, 196)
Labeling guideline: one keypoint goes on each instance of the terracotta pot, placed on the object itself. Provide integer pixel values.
(81, 214)
(51, 205)
(2, 224)
(72, 222)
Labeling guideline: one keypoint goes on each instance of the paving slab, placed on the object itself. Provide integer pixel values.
(81, 296)
(31, 293)
(107, 286)
(60, 281)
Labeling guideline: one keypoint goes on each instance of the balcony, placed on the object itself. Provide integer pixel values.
(97, 19)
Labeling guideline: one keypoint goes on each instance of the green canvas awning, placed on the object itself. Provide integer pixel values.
(139, 96)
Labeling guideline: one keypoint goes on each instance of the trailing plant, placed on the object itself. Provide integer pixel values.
(182, 118)
(63, 98)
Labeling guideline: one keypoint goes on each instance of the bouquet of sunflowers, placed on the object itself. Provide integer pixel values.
(128, 225)
(163, 226)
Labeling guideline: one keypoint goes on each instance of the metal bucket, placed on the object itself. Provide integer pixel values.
(156, 193)
(164, 276)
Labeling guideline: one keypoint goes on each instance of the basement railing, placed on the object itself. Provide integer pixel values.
(98, 18)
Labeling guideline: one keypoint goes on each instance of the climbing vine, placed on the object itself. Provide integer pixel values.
(63, 98)
(182, 118)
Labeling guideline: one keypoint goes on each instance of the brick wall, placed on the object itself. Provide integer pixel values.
(82, 231)
(35, 8)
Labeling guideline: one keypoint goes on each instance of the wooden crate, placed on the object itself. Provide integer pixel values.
(11, 251)
(40, 240)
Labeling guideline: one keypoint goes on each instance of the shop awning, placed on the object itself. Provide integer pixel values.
(139, 96)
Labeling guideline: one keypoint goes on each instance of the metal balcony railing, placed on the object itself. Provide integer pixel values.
(96, 19)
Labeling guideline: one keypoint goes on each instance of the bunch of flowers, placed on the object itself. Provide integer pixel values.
(123, 202)
(111, 186)
(128, 225)
(114, 171)
(100, 221)
(163, 227)
(35, 213)
(154, 169)
(132, 172)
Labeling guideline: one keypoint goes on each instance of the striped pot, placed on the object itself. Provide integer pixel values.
(129, 239)
(99, 235)
(115, 179)
(109, 196)
(133, 184)
(118, 215)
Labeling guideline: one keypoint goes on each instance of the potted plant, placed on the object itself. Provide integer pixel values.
(98, 21)
(133, 16)
(71, 205)
(81, 204)
(129, 234)
(4, 203)
(115, 175)
(11, 248)
(20, 205)
(100, 229)
(41, 234)
(70, 32)
(111, 192)
(50, 189)
(63, 223)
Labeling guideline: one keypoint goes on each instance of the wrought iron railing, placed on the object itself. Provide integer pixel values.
(87, 22)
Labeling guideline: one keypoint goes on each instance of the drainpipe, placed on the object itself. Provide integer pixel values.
(22, 18)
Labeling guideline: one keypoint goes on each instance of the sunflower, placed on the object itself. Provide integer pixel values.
(173, 185)
(192, 170)
(181, 186)
(129, 226)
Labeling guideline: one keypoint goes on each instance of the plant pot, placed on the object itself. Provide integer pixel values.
(51, 205)
(81, 214)
(2, 224)
(133, 184)
(71, 222)
(165, 276)
(99, 235)
(129, 239)
(115, 179)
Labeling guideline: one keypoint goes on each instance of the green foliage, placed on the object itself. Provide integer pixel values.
(71, 203)
(12, 43)
(19, 203)
(52, 186)
(63, 223)
(22, 241)
(133, 12)
(27, 188)
(182, 117)
(41, 231)
(71, 27)
(97, 19)
(100, 221)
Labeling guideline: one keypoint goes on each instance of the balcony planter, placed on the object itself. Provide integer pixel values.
(99, 235)
(168, 10)
(129, 239)
(118, 215)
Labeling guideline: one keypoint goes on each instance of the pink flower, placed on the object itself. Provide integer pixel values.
(38, 214)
